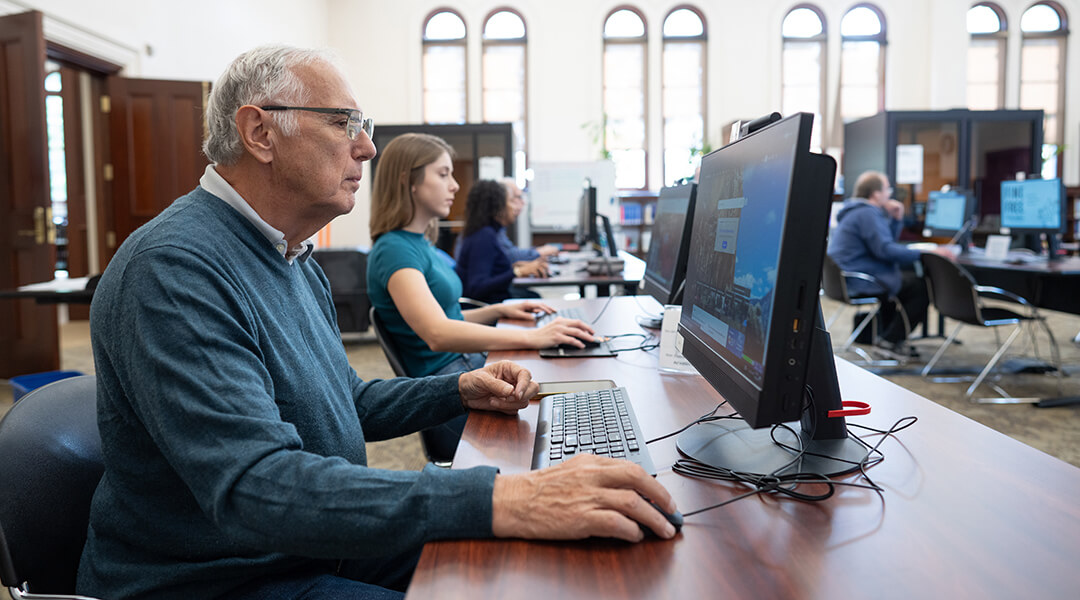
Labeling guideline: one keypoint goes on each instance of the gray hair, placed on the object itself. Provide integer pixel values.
(264, 75)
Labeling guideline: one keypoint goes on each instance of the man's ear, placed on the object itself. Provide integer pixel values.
(256, 134)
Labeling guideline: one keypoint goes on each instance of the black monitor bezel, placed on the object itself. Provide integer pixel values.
(969, 213)
(651, 285)
(780, 397)
(1036, 230)
(609, 236)
(586, 230)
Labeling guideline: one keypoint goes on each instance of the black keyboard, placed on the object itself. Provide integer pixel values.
(566, 313)
(599, 422)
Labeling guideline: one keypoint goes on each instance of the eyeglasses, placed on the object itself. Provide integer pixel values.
(353, 126)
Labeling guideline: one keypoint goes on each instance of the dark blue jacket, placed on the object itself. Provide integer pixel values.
(485, 270)
(865, 241)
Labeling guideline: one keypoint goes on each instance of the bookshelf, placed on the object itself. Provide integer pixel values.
(636, 213)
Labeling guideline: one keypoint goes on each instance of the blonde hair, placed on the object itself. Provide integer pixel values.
(401, 166)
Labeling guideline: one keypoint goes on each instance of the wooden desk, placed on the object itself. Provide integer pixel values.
(77, 290)
(1051, 285)
(573, 273)
(967, 512)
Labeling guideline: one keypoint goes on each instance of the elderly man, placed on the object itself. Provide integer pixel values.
(865, 241)
(515, 203)
(232, 425)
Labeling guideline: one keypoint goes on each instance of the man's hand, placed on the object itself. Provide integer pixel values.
(503, 387)
(523, 310)
(547, 250)
(587, 496)
(895, 208)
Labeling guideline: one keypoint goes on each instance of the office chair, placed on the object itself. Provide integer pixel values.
(346, 269)
(50, 464)
(437, 445)
(955, 295)
(834, 285)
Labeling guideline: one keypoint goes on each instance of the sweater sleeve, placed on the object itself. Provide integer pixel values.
(880, 236)
(188, 361)
(486, 271)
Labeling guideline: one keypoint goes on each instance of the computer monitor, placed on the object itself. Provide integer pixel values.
(665, 265)
(950, 213)
(751, 322)
(586, 226)
(607, 242)
(1032, 207)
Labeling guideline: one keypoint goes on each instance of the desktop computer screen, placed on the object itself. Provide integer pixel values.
(586, 225)
(751, 323)
(948, 212)
(665, 264)
(1033, 206)
(605, 242)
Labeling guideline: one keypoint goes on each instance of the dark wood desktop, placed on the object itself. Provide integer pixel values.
(966, 511)
(1053, 285)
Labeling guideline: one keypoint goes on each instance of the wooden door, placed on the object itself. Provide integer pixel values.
(29, 340)
(155, 139)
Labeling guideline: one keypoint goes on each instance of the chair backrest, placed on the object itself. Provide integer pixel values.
(346, 269)
(390, 349)
(832, 281)
(951, 289)
(50, 465)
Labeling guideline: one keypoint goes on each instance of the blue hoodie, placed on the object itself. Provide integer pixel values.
(865, 241)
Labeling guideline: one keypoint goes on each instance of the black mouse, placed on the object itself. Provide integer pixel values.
(588, 344)
(675, 518)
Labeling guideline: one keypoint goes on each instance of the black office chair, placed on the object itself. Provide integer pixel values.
(438, 446)
(50, 465)
(346, 269)
(956, 296)
(834, 284)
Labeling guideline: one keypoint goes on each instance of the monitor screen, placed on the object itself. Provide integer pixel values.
(665, 264)
(1032, 206)
(586, 225)
(605, 240)
(946, 212)
(751, 322)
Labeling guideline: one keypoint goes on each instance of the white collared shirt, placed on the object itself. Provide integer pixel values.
(214, 183)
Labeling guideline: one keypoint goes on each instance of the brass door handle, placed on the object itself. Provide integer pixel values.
(38, 232)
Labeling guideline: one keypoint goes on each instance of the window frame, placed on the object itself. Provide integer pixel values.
(1001, 36)
(703, 40)
(429, 43)
(643, 40)
(522, 41)
(880, 37)
(822, 39)
(1062, 35)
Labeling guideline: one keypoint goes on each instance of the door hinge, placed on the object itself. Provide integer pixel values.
(107, 172)
(106, 104)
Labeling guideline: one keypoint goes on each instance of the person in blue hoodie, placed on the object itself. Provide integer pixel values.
(864, 240)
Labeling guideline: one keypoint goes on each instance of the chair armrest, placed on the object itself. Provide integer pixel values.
(470, 303)
(1000, 294)
(865, 277)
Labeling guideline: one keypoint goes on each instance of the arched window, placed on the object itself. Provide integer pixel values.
(683, 92)
(1044, 28)
(444, 68)
(862, 62)
(504, 78)
(625, 79)
(803, 66)
(986, 56)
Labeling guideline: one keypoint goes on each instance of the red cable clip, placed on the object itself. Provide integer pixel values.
(852, 408)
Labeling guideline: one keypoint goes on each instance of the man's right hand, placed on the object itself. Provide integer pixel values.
(531, 268)
(561, 331)
(587, 496)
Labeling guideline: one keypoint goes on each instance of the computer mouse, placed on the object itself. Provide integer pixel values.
(675, 518)
(588, 344)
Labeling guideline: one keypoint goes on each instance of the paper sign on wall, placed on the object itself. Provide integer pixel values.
(491, 167)
(671, 357)
(909, 164)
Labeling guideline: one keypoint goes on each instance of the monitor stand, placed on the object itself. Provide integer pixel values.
(735, 446)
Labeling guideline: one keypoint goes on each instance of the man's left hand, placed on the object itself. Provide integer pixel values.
(503, 387)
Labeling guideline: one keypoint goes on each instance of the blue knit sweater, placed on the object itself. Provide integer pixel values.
(233, 427)
(486, 273)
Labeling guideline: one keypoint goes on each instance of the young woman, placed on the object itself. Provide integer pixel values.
(486, 271)
(415, 291)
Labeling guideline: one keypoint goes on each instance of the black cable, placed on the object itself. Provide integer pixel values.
(705, 418)
(787, 484)
(602, 309)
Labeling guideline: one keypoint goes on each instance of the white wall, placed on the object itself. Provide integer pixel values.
(380, 42)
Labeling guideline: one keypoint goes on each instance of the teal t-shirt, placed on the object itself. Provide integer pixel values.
(396, 250)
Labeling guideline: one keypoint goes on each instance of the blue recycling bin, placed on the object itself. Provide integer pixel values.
(24, 384)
